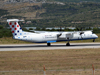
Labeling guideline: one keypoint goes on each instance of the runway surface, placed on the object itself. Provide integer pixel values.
(20, 47)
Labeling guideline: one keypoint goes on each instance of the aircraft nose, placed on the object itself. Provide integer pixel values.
(96, 36)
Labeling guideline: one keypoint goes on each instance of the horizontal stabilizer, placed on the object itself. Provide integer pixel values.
(13, 20)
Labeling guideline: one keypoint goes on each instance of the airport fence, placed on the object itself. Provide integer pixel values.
(52, 72)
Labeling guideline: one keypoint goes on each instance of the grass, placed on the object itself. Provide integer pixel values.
(10, 40)
(74, 62)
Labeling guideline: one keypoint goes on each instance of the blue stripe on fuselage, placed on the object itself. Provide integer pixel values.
(50, 41)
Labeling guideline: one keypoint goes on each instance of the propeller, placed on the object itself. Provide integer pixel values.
(60, 29)
(80, 31)
(58, 35)
(81, 34)
(77, 29)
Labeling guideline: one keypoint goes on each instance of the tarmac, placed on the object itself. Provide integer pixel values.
(54, 46)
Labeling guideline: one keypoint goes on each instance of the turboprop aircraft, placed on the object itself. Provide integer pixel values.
(48, 37)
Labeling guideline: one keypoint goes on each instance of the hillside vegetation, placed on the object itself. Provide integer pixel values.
(82, 14)
(75, 0)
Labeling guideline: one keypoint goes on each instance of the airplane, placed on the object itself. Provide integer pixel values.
(48, 37)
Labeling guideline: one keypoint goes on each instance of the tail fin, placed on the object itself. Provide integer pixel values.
(14, 26)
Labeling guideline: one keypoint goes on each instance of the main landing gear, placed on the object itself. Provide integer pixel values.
(48, 44)
(68, 44)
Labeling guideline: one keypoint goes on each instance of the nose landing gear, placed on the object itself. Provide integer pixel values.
(93, 40)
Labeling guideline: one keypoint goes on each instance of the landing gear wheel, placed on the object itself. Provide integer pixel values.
(93, 40)
(68, 44)
(48, 44)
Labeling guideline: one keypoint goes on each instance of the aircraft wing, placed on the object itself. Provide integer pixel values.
(69, 35)
(46, 32)
(82, 32)
(40, 31)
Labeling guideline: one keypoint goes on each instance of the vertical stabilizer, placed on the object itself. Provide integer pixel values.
(14, 26)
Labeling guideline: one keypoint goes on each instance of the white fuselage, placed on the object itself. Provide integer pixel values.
(48, 37)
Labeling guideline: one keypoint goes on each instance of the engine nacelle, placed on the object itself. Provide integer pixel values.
(66, 36)
(69, 36)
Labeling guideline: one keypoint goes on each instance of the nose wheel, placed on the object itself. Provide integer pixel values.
(93, 40)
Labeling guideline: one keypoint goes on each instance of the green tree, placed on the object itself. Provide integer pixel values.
(1, 27)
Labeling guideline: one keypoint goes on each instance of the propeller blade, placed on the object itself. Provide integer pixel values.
(60, 29)
(81, 29)
(81, 33)
(77, 28)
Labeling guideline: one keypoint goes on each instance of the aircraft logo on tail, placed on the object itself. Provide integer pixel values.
(14, 26)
